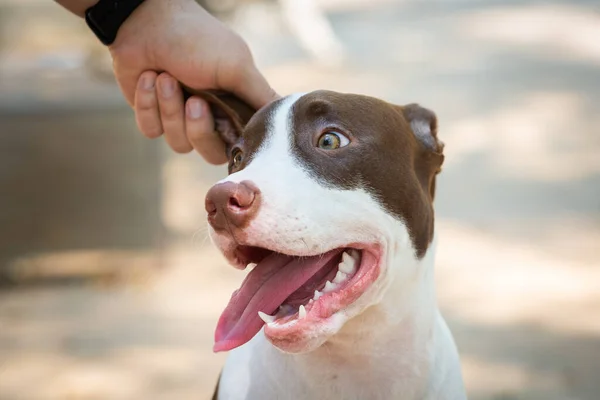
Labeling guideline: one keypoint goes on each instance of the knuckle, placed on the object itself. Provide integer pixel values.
(149, 129)
(145, 103)
(171, 111)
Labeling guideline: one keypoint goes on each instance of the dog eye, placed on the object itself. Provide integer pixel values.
(332, 140)
(236, 158)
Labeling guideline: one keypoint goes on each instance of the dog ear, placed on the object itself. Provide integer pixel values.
(229, 112)
(423, 124)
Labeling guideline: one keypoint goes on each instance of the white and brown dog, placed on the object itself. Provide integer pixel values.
(330, 199)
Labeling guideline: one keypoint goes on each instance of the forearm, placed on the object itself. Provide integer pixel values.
(77, 7)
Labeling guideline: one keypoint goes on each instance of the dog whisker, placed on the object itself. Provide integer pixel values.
(196, 235)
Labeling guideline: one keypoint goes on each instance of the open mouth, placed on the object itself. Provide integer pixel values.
(293, 293)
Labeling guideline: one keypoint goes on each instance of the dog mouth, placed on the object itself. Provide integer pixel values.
(291, 293)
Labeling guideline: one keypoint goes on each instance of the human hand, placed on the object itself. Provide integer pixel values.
(194, 48)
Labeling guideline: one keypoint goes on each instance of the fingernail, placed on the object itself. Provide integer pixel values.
(194, 109)
(167, 87)
(147, 82)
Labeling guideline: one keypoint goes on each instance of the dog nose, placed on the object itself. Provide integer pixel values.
(231, 203)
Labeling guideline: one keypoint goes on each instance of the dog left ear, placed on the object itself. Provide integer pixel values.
(423, 123)
(229, 112)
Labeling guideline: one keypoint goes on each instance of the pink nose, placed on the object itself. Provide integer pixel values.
(232, 204)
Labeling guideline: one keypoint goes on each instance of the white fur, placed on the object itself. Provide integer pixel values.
(392, 343)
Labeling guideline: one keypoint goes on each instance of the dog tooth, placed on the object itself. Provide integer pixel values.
(340, 277)
(348, 264)
(328, 287)
(310, 301)
(251, 265)
(355, 254)
(317, 295)
(346, 268)
(346, 258)
(266, 317)
(301, 312)
(350, 260)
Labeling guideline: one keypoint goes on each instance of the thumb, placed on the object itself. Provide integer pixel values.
(254, 89)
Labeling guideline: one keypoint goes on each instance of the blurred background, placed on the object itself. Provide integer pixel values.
(109, 288)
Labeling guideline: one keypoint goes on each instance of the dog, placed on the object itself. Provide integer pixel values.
(329, 204)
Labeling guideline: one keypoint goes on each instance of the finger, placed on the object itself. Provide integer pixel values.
(200, 130)
(170, 103)
(254, 89)
(147, 114)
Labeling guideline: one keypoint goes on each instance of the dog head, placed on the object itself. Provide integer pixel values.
(326, 192)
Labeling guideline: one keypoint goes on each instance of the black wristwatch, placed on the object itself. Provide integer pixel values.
(106, 17)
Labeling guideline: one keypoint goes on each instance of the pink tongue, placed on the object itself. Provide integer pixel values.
(265, 288)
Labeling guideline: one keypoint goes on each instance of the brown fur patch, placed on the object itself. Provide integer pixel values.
(385, 157)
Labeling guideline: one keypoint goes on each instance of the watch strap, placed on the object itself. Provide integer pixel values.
(106, 17)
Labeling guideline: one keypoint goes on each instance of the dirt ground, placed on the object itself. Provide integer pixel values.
(516, 86)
